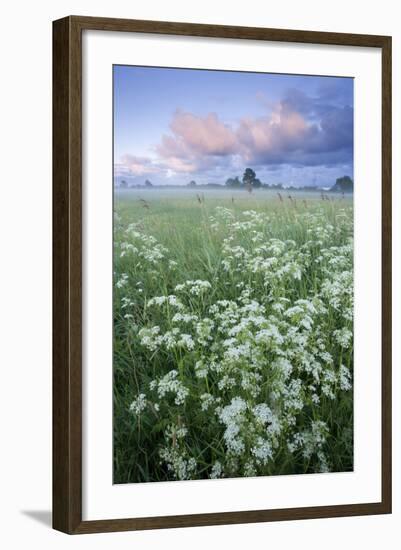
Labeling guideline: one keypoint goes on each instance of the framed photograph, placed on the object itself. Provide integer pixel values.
(222, 274)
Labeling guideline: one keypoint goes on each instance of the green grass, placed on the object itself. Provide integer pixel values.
(193, 232)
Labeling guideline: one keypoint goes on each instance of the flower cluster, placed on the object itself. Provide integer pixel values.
(243, 369)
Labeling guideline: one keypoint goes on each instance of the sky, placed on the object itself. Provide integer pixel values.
(172, 126)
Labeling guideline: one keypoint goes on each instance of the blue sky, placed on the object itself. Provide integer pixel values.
(172, 126)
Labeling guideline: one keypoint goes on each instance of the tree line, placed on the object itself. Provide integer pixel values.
(249, 181)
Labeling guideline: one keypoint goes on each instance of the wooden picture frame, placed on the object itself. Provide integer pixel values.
(67, 273)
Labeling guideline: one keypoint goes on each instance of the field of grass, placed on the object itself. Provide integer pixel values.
(233, 342)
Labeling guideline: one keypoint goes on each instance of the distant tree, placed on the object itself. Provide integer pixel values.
(148, 183)
(343, 185)
(233, 182)
(257, 183)
(123, 184)
(250, 180)
(192, 183)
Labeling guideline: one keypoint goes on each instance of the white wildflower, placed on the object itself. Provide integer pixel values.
(139, 404)
(170, 384)
(217, 470)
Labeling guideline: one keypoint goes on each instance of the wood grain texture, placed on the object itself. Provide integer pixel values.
(386, 274)
(67, 277)
(67, 274)
(229, 518)
(226, 31)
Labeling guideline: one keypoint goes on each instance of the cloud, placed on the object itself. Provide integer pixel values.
(270, 139)
(136, 166)
(336, 91)
(299, 130)
(297, 101)
(194, 141)
(177, 164)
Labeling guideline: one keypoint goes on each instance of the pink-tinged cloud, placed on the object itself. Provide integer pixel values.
(197, 143)
(132, 165)
(298, 130)
(281, 131)
(195, 136)
(137, 166)
(177, 164)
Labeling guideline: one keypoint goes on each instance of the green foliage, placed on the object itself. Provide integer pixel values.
(232, 336)
(343, 185)
(234, 182)
(249, 181)
(249, 177)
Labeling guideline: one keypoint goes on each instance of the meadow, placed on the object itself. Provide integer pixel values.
(233, 334)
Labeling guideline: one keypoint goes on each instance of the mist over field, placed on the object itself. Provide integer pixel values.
(222, 194)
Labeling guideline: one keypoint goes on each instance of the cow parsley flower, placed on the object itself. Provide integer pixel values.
(139, 404)
(170, 384)
(262, 451)
(343, 337)
(345, 378)
(263, 413)
(217, 470)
